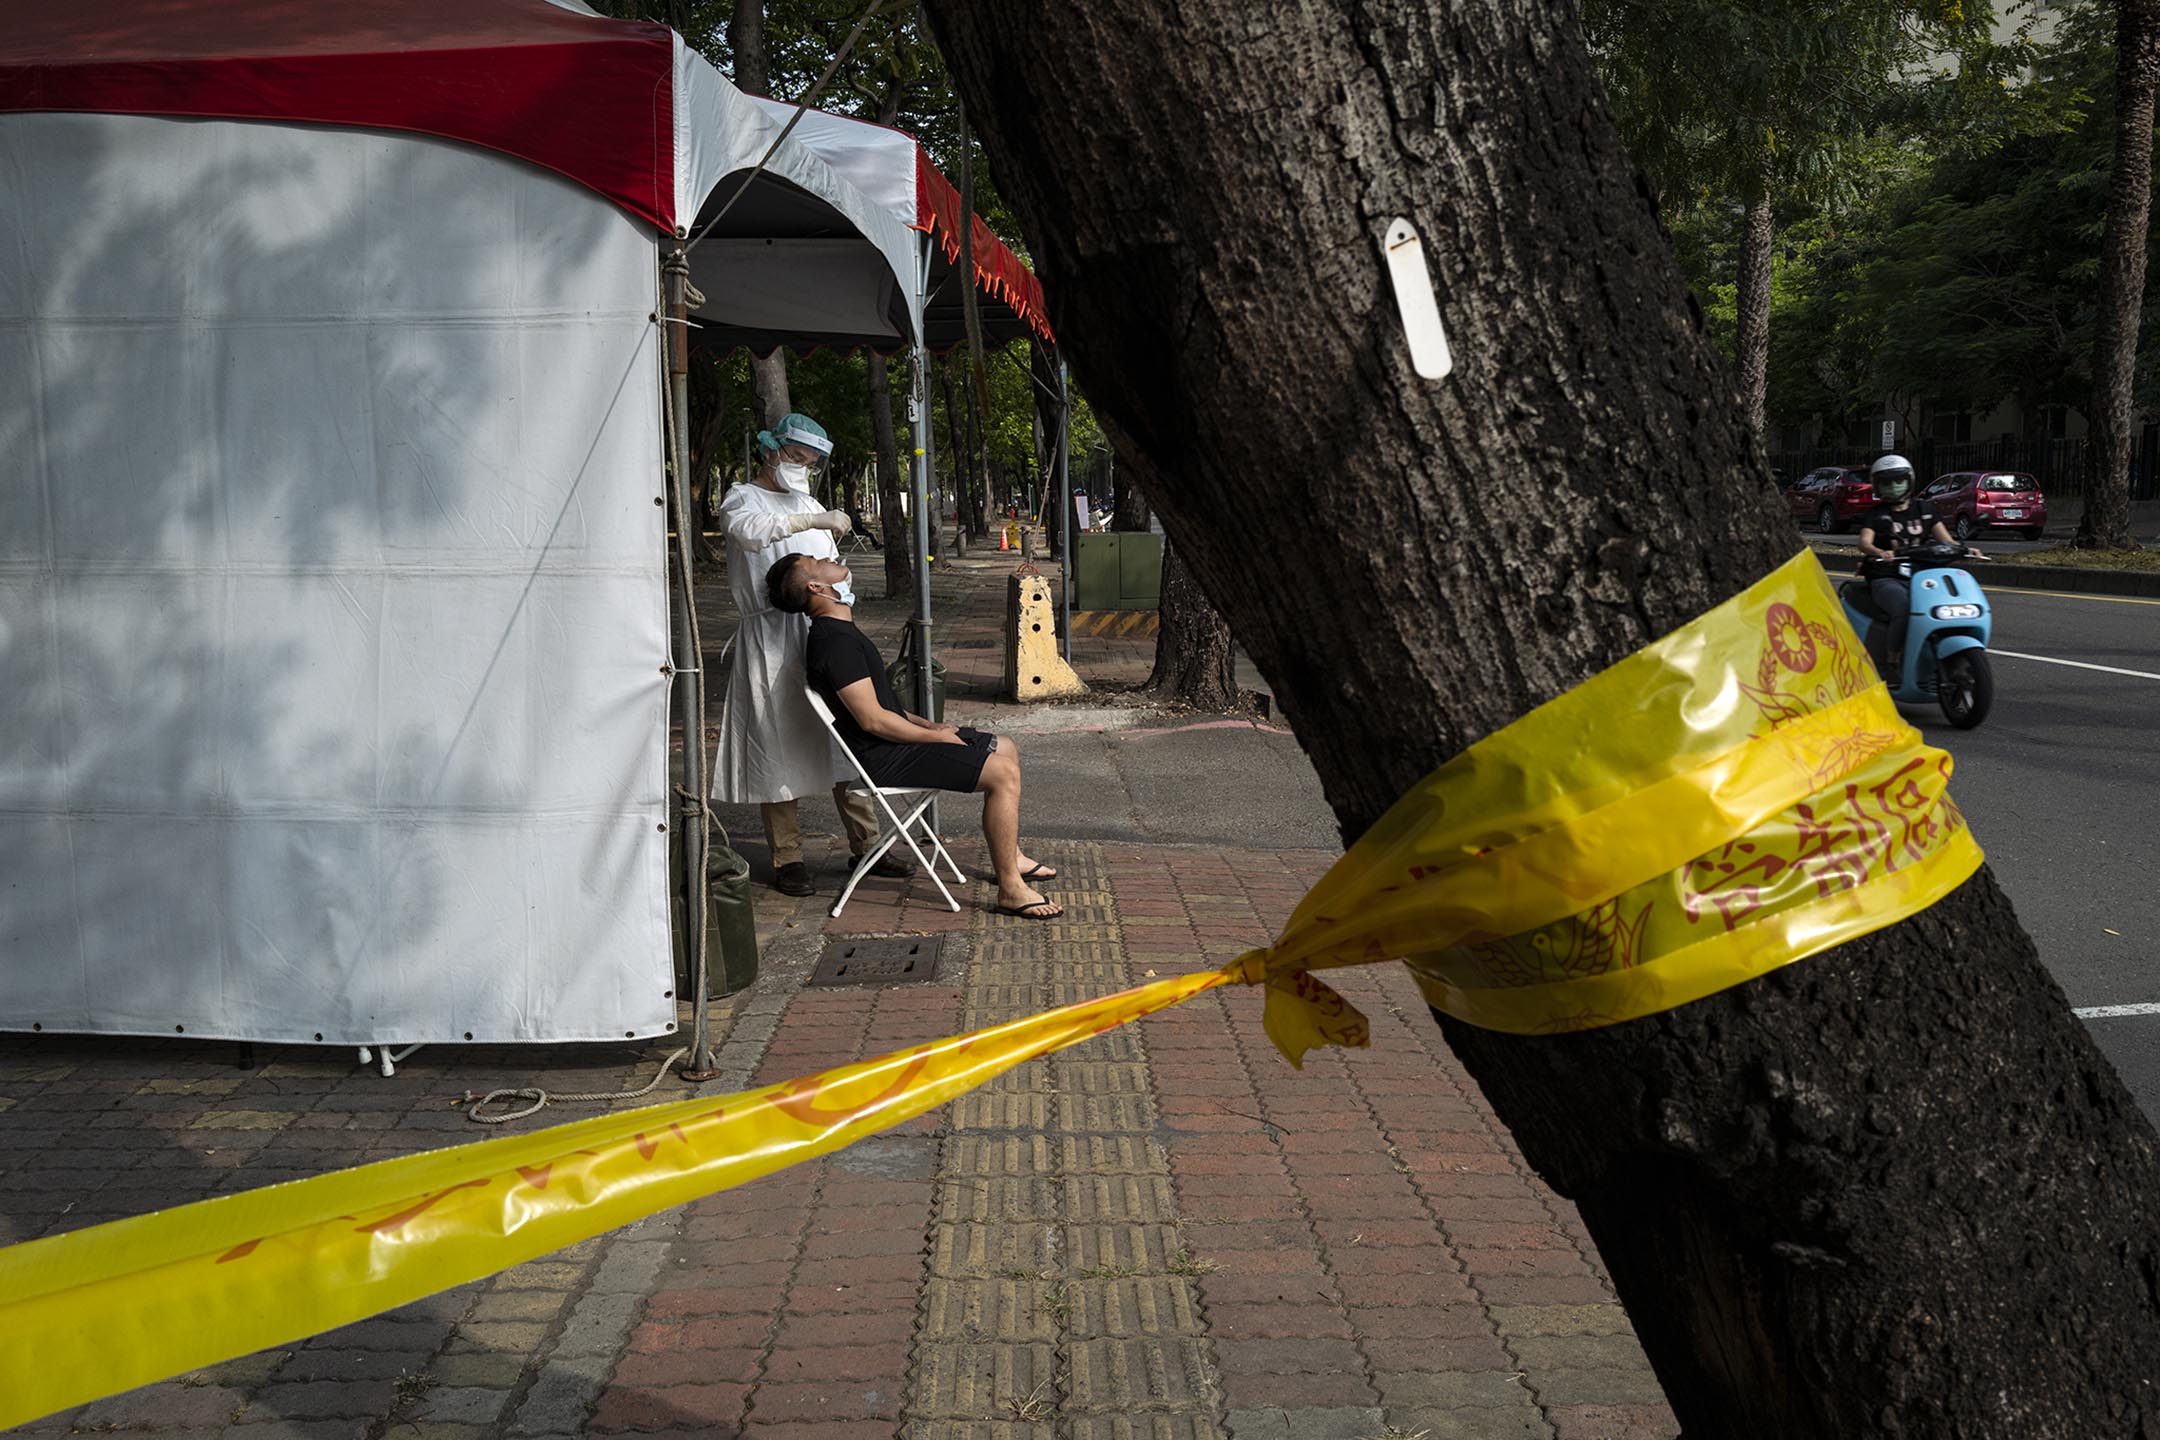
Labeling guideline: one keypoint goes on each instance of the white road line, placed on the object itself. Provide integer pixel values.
(2071, 595)
(2075, 664)
(2109, 1012)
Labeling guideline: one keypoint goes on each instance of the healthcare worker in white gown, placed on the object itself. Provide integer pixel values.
(773, 748)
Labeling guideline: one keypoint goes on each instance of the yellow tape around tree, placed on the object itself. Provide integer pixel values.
(1740, 795)
(1735, 797)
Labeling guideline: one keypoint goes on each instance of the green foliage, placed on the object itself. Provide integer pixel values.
(1939, 214)
(1963, 276)
(1723, 100)
(835, 390)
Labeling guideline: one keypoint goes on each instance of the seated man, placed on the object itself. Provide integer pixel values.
(899, 749)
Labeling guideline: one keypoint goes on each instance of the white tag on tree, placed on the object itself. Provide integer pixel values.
(1415, 299)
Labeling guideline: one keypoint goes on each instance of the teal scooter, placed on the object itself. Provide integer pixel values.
(1946, 636)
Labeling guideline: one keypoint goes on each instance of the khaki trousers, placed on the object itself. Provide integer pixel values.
(783, 828)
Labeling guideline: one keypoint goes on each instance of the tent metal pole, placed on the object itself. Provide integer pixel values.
(919, 392)
(691, 803)
(1065, 516)
(920, 398)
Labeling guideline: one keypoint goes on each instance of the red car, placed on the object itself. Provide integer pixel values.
(1833, 497)
(1977, 500)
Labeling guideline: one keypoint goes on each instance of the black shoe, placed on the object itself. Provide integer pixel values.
(793, 880)
(890, 866)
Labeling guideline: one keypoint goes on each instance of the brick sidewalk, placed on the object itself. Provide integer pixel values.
(1166, 1231)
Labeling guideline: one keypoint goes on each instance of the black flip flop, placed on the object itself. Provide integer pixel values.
(1022, 912)
(1040, 872)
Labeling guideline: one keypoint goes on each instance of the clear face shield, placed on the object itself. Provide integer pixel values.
(799, 467)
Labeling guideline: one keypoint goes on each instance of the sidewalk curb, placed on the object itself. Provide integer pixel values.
(2062, 577)
(1017, 720)
(2081, 579)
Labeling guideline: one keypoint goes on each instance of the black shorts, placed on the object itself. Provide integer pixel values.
(933, 767)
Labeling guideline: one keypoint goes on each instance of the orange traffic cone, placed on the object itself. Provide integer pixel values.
(1004, 538)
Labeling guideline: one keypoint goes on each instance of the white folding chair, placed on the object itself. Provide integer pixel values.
(902, 826)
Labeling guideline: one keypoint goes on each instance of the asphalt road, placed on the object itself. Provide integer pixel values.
(2003, 544)
(2060, 785)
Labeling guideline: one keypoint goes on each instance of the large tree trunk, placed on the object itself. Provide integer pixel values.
(958, 464)
(978, 492)
(1042, 370)
(1891, 1190)
(768, 378)
(1195, 663)
(1128, 503)
(746, 38)
(2106, 523)
(706, 437)
(1751, 331)
(893, 530)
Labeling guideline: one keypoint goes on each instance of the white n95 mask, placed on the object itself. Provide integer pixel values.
(795, 477)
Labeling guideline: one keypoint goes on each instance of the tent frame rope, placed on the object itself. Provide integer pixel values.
(693, 819)
(839, 58)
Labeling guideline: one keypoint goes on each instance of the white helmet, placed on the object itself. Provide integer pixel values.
(1891, 477)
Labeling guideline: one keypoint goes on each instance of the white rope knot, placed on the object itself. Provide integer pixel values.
(541, 1099)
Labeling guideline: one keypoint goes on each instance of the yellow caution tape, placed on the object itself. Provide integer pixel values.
(104, 1309)
(1735, 797)
(1740, 795)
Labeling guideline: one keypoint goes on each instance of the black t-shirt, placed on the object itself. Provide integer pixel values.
(1897, 530)
(1900, 529)
(835, 657)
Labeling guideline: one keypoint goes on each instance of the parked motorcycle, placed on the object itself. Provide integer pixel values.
(1946, 638)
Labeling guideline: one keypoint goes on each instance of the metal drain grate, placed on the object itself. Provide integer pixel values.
(878, 960)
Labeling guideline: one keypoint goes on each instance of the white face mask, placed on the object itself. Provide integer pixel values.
(795, 477)
(844, 592)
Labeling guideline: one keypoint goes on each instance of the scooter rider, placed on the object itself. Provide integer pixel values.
(1897, 522)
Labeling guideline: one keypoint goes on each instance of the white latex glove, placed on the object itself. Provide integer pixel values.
(833, 520)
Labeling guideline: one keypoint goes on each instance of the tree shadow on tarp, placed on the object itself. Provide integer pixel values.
(234, 704)
(292, 523)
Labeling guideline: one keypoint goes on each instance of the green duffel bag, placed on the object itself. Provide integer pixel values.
(731, 956)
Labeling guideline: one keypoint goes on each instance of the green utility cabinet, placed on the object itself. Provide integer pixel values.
(1117, 570)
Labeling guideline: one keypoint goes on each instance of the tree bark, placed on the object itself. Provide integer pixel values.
(968, 511)
(1892, 1190)
(893, 532)
(892, 522)
(704, 448)
(1195, 662)
(768, 379)
(1128, 506)
(2120, 302)
(1042, 370)
(746, 38)
(978, 491)
(1751, 331)
(934, 497)
(959, 466)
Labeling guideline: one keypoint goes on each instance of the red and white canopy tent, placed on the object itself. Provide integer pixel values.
(334, 643)
(890, 169)
(894, 172)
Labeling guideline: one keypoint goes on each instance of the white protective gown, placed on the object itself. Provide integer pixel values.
(772, 745)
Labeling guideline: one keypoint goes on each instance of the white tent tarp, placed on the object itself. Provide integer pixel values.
(332, 612)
